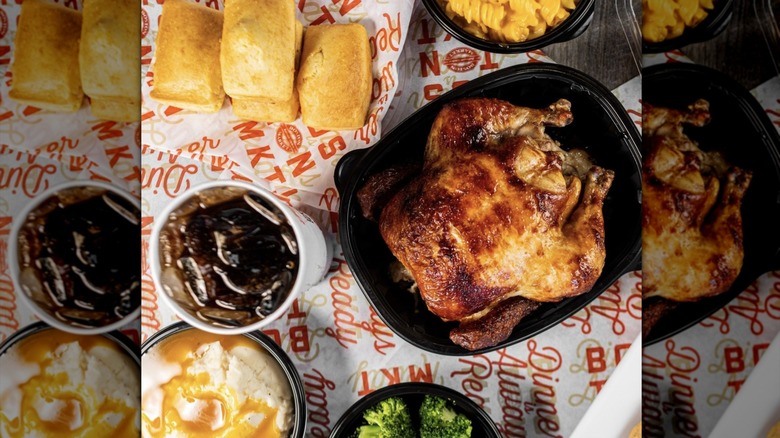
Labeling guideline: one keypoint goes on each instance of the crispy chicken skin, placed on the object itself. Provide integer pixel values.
(498, 211)
(691, 221)
(494, 327)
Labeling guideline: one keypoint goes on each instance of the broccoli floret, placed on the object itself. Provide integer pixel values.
(369, 431)
(387, 419)
(438, 420)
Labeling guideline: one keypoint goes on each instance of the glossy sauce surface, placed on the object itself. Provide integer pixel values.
(79, 254)
(228, 256)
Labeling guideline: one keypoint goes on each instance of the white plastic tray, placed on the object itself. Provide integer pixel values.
(618, 406)
(756, 407)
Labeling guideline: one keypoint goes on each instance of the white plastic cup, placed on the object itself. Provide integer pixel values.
(44, 314)
(314, 254)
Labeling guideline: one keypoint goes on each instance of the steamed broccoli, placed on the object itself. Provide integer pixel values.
(437, 420)
(387, 419)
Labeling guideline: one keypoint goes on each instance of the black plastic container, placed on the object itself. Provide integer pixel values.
(413, 394)
(740, 129)
(601, 126)
(573, 26)
(296, 385)
(716, 21)
(128, 346)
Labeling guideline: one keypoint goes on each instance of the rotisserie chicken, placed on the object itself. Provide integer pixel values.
(691, 221)
(498, 219)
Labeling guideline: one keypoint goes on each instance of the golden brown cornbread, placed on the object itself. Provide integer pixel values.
(258, 49)
(46, 57)
(334, 81)
(774, 432)
(119, 110)
(636, 431)
(108, 58)
(272, 110)
(267, 110)
(186, 66)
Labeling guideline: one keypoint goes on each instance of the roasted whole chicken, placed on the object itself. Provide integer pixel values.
(498, 219)
(691, 220)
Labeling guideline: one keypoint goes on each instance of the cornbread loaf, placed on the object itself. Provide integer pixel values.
(186, 66)
(108, 58)
(774, 432)
(258, 49)
(272, 110)
(636, 431)
(267, 110)
(334, 81)
(120, 110)
(46, 57)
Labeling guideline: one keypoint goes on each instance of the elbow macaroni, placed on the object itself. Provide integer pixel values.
(508, 21)
(667, 19)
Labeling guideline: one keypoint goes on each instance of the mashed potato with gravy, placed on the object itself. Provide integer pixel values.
(196, 384)
(64, 385)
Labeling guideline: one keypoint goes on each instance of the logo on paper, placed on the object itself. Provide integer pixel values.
(289, 138)
(3, 23)
(461, 59)
(144, 23)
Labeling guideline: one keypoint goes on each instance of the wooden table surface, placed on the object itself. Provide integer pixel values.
(603, 50)
(741, 50)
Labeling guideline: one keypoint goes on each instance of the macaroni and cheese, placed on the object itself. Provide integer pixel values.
(507, 21)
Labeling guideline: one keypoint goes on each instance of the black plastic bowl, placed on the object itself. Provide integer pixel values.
(715, 22)
(573, 26)
(124, 343)
(299, 397)
(413, 394)
(741, 130)
(601, 126)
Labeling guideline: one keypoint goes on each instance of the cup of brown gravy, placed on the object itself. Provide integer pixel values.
(229, 257)
(75, 256)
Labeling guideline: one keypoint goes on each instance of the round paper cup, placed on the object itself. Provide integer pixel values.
(313, 251)
(45, 314)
